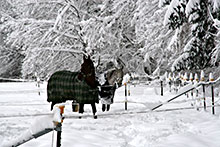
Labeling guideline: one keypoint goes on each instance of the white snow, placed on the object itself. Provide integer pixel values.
(136, 127)
(161, 3)
(126, 79)
(190, 5)
(57, 112)
(217, 23)
(216, 5)
(41, 123)
(170, 10)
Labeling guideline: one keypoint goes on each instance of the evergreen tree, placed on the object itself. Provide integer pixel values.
(216, 16)
(204, 34)
(198, 50)
(175, 15)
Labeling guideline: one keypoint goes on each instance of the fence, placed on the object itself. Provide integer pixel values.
(191, 86)
(40, 127)
(181, 84)
(186, 86)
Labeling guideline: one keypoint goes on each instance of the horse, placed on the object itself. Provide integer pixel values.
(81, 87)
(113, 79)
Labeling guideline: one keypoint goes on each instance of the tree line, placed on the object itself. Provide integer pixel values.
(148, 37)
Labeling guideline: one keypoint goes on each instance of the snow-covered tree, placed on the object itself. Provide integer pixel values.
(152, 35)
(105, 30)
(133, 32)
(10, 56)
(35, 19)
(216, 17)
(198, 47)
(53, 34)
(175, 16)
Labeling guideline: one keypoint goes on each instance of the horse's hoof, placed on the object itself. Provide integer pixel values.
(95, 117)
(108, 107)
(80, 115)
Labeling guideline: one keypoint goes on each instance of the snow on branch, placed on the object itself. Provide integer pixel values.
(191, 5)
(171, 10)
(217, 23)
(60, 50)
(216, 5)
(65, 33)
(61, 12)
(163, 3)
(179, 62)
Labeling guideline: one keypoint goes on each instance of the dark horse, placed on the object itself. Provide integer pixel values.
(81, 87)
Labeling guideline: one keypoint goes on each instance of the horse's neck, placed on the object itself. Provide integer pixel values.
(111, 80)
(89, 79)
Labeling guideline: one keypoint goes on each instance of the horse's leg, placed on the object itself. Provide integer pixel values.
(81, 109)
(52, 104)
(94, 110)
(103, 107)
(108, 107)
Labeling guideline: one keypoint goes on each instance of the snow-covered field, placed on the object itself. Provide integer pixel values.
(20, 106)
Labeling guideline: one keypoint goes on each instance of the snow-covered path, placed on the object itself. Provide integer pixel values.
(183, 128)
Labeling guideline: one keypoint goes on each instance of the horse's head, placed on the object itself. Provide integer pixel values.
(87, 68)
(88, 72)
(115, 77)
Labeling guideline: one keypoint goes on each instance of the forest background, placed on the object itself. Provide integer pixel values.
(39, 37)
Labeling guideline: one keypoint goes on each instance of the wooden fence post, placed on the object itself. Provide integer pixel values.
(59, 131)
(198, 101)
(203, 95)
(126, 98)
(59, 126)
(212, 91)
(37, 81)
(185, 82)
(202, 79)
(38, 85)
(191, 79)
(129, 88)
(196, 79)
(161, 85)
(170, 81)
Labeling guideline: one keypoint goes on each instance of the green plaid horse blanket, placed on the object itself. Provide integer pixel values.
(65, 85)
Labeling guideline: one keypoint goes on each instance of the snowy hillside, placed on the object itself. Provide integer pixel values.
(138, 127)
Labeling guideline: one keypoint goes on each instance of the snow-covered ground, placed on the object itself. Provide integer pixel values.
(20, 106)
